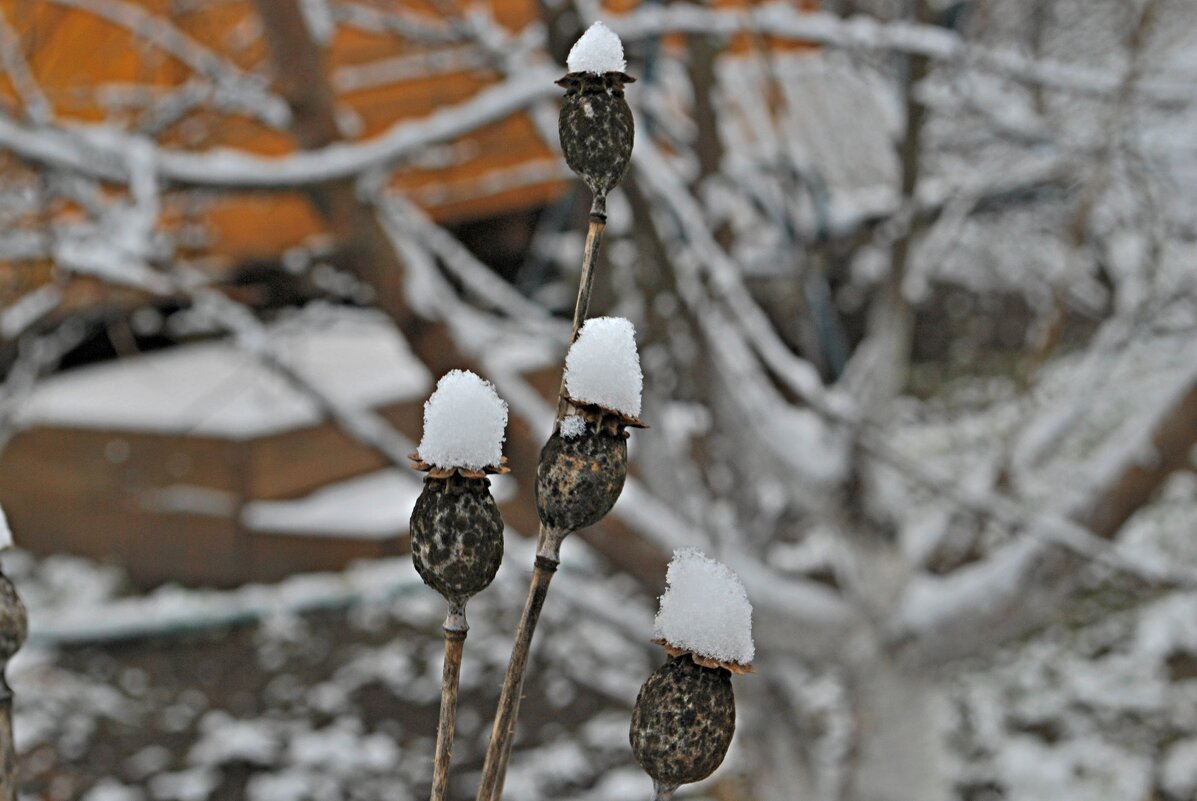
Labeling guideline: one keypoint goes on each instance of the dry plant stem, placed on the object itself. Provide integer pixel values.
(502, 736)
(455, 627)
(8, 750)
(663, 792)
(594, 238)
(494, 769)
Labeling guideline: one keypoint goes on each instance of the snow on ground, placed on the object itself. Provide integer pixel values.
(355, 358)
(331, 693)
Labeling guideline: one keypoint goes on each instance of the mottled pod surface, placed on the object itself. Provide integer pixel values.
(456, 536)
(579, 479)
(14, 622)
(683, 722)
(596, 128)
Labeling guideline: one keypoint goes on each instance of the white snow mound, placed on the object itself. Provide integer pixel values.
(5, 531)
(598, 50)
(464, 423)
(603, 367)
(705, 609)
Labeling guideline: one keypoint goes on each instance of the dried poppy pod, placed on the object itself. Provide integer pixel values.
(685, 714)
(683, 722)
(596, 129)
(583, 467)
(456, 531)
(596, 125)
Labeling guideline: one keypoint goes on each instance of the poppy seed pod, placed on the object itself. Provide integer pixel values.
(582, 469)
(683, 722)
(596, 128)
(456, 536)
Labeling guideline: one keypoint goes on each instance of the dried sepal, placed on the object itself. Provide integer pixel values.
(601, 417)
(447, 472)
(732, 667)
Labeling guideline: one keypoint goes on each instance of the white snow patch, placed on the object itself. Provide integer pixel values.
(226, 739)
(1088, 769)
(599, 50)
(5, 531)
(291, 785)
(216, 389)
(705, 609)
(573, 427)
(603, 367)
(374, 506)
(464, 423)
(1179, 772)
(111, 790)
(195, 784)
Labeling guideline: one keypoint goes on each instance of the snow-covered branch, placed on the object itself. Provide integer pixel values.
(245, 93)
(860, 33)
(1017, 588)
(99, 152)
(37, 106)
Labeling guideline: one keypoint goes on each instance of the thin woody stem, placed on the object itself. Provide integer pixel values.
(456, 628)
(494, 769)
(14, 625)
(663, 792)
(502, 735)
(8, 749)
(594, 238)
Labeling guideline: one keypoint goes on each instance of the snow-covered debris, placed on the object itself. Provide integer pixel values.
(5, 531)
(603, 366)
(111, 790)
(705, 609)
(226, 739)
(464, 423)
(1179, 772)
(598, 50)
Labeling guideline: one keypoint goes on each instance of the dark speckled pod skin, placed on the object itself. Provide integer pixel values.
(596, 128)
(456, 536)
(578, 480)
(683, 722)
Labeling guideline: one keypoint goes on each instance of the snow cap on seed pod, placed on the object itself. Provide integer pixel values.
(705, 612)
(599, 50)
(464, 428)
(602, 368)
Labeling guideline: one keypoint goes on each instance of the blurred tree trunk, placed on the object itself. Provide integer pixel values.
(900, 718)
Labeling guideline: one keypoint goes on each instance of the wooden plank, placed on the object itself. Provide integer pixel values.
(274, 556)
(294, 463)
